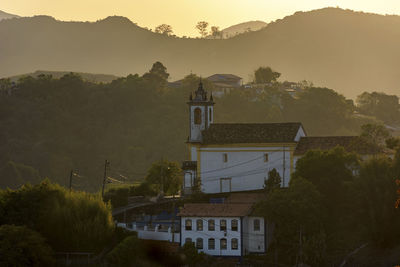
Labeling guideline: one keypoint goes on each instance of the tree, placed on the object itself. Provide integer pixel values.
(331, 172)
(163, 29)
(20, 246)
(297, 215)
(384, 107)
(376, 191)
(273, 182)
(215, 32)
(81, 220)
(157, 75)
(265, 75)
(202, 28)
(166, 175)
(324, 105)
(375, 134)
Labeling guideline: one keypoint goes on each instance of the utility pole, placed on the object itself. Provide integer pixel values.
(173, 218)
(162, 178)
(106, 164)
(284, 166)
(70, 180)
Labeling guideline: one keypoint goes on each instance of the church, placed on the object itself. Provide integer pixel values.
(236, 157)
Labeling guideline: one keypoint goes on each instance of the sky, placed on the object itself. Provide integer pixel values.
(183, 15)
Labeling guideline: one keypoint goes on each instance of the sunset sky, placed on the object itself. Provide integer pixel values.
(182, 15)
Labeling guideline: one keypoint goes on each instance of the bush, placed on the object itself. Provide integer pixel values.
(126, 253)
(20, 246)
(75, 221)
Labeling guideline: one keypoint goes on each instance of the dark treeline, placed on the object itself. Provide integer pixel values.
(50, 126)
(336, 204)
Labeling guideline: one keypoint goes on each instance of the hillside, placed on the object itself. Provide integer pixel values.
(90, 77)
(4, 15)
(348, 51)
(243, 27)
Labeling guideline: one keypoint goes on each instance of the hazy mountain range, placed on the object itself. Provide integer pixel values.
(348, 51)
(4, 15)
(243, 27)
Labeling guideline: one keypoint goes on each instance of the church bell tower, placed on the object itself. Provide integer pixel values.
(201, 110)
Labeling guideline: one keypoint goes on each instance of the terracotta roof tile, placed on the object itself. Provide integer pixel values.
(230, 133)
(349, 143)
(215, 210)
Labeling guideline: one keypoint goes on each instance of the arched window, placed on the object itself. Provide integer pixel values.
(199, 225)
(197, 116)
(188, 240)
(210, 114)
(211, 243)
(234, 243)
(211, 225)
(222, 225)
(223, 244)
(188, 225)
(256, 225)
(199, 243)
(234, 225)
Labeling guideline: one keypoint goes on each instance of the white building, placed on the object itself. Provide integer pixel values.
(235, 157)
(226, 229)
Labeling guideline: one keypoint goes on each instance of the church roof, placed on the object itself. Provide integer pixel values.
(349, 143)
(231, 133)
(215, 210)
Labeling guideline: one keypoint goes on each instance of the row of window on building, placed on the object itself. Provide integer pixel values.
(223, 243)
(222, 225)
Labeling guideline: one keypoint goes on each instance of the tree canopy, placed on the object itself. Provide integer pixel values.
(265, 75)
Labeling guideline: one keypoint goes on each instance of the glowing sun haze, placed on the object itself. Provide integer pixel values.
(182, 15)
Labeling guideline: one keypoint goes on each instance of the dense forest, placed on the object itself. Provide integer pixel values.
(52, 126)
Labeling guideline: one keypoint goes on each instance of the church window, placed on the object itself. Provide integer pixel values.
(210, 114)
(256, 225)
(234, 243)
(211, 225)
(222, 225)
(234, 225)
(199, 225)
(266, 157)
(225, 157)
(199, 243)
(211, 243)
(188, 225)
(223, 244)
(188, 240)
(197, 116)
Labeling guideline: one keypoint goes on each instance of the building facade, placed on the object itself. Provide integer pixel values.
(226, 229)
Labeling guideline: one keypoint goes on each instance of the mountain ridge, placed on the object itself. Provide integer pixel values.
(348, 51)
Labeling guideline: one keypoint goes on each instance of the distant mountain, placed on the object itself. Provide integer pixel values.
(348, 51)
(243, 27)
(4, 15)
(90, 77)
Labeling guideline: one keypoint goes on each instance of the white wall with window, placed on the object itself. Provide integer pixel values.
(231, 169)
(218, 236)
(254, 235)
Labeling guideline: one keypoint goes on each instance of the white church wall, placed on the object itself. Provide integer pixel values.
(300, 133)
(245, 168)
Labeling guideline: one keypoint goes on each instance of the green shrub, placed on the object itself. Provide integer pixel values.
(20, 246)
